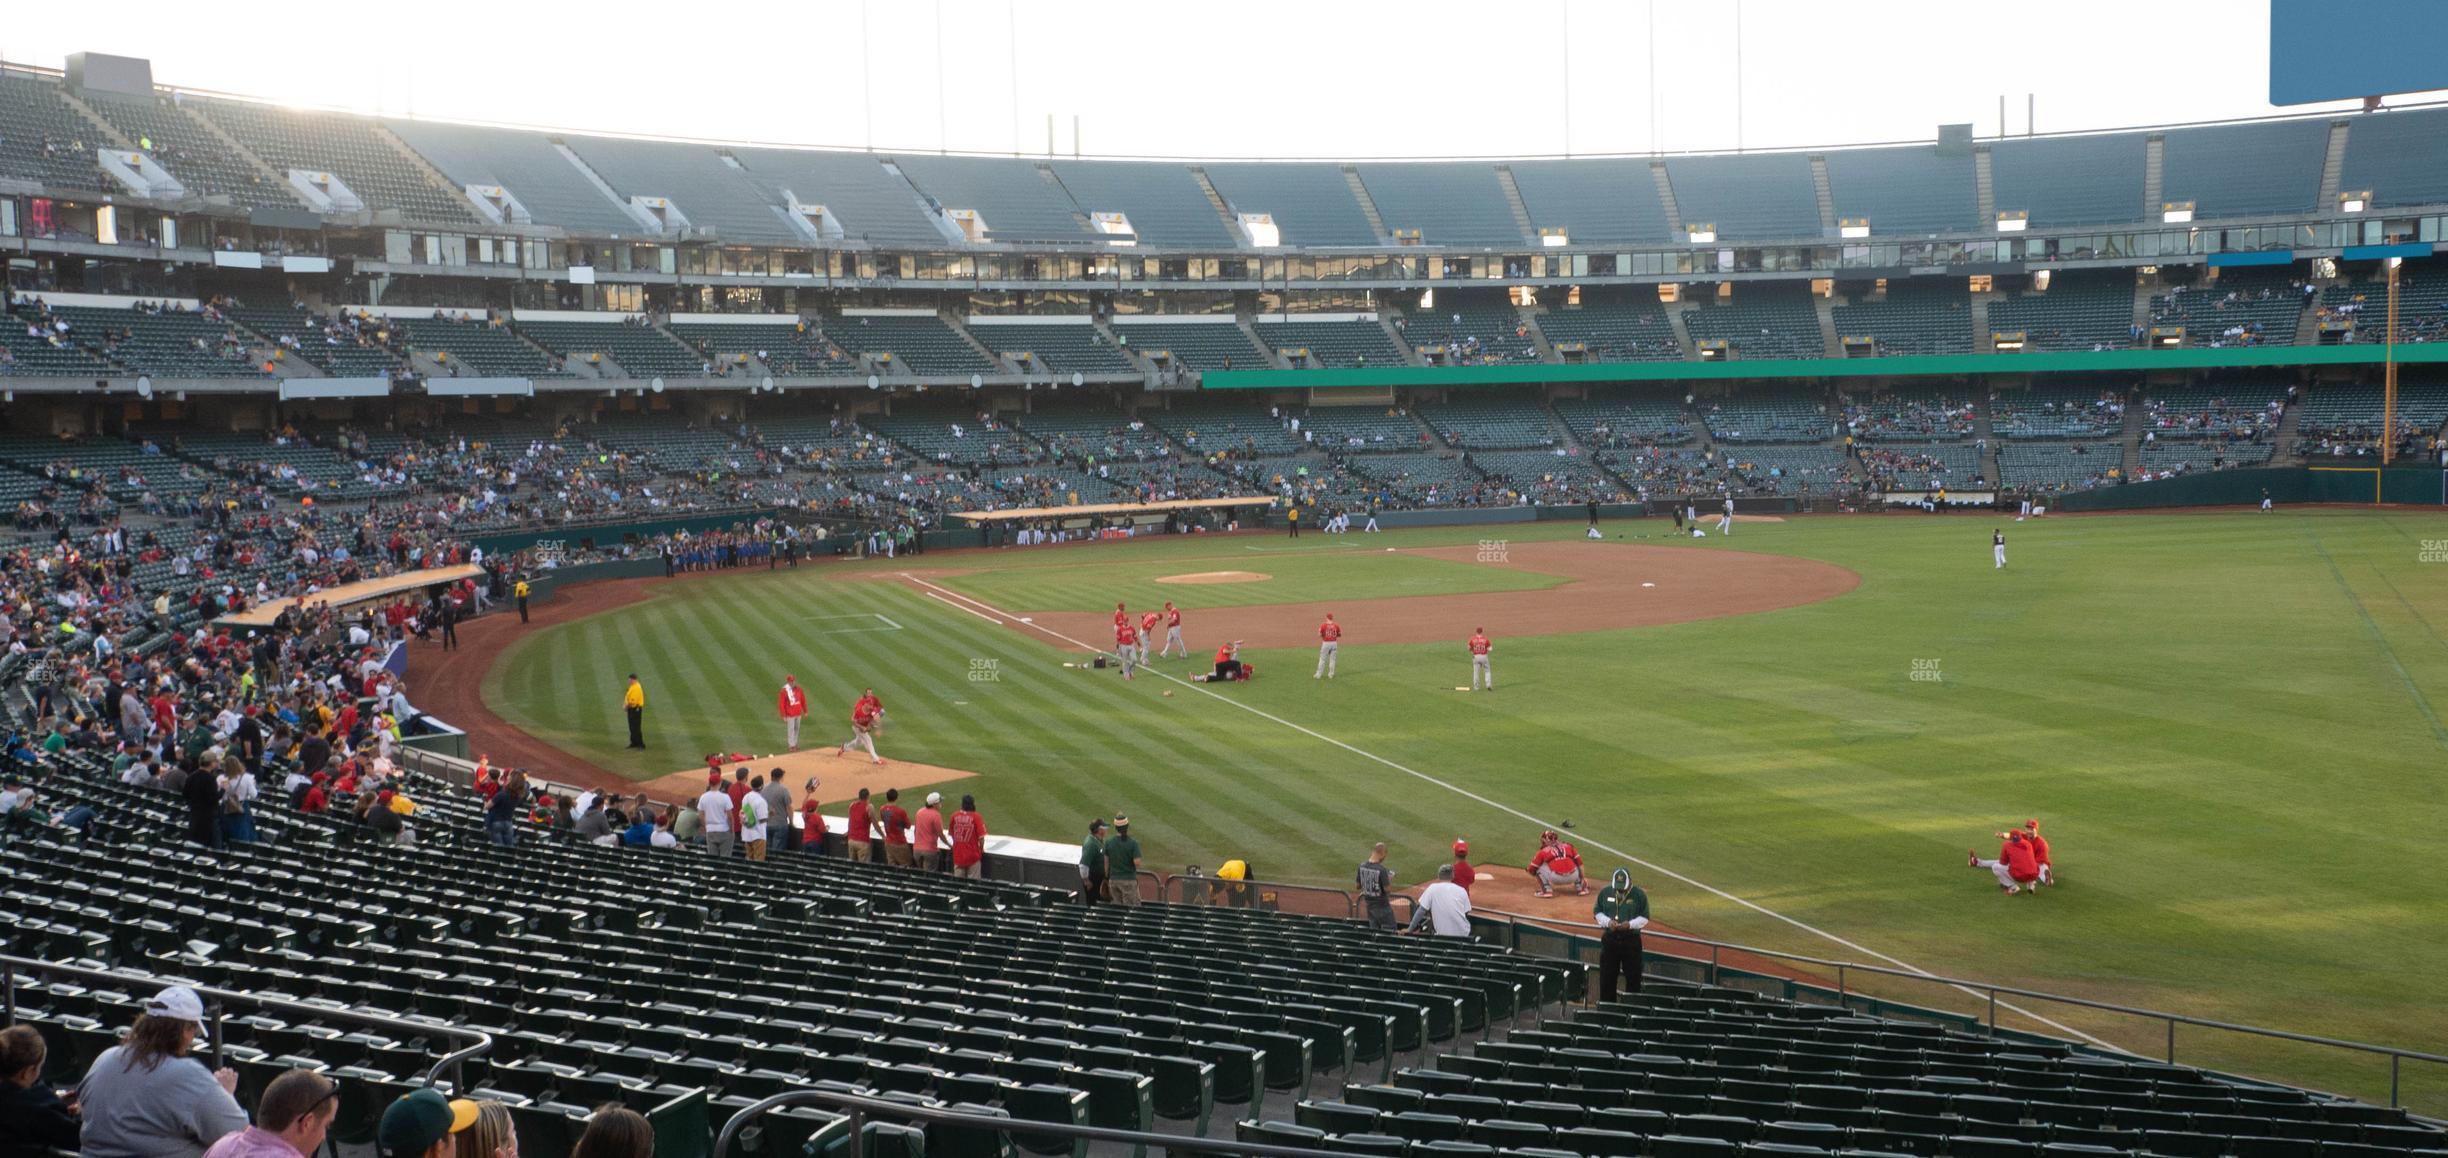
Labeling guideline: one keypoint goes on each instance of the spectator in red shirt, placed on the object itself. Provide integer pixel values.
(737, 788)
(896, 821)
(968, 831)
(927, 835)
(1463, 873)
(860, 835)
(811, 821)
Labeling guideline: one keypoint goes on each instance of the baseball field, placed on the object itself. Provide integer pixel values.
(2228, 724)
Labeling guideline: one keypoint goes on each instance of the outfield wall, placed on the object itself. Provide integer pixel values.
(2413, 486)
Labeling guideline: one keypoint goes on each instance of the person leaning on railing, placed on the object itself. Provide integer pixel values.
(147, 1099)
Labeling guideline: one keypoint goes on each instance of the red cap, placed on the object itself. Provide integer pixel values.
(1461, 848)
(2031, 824)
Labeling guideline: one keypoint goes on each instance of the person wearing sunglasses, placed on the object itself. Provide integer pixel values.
(291, 1120)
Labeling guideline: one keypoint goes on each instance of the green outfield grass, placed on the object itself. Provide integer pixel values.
(1312, 568)
(2230, 727)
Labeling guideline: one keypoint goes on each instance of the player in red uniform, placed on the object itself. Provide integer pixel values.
(1147, 636)
(1479, 660)
(1557, 863)
(1330, 641)
(1173, 639)
(1464, 874)
(792, 703)
(1121, 615)
(2040, 851)
(2015, 866)
(1126, 645)
(865, 716)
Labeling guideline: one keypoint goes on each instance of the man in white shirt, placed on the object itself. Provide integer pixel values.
(714, 812)
(754, 811)
(1443, 908)
(584, 804)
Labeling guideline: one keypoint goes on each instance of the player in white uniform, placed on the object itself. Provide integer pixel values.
(1725, 523)
(1997, 547)
(1371, 527)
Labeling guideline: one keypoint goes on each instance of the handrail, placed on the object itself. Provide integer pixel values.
(860, 1106)
(1992, 990)
(482, 1043)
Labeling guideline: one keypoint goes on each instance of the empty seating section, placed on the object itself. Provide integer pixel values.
(1102, 433)
(2245, 170)
(663, 443)
(2222, 410)
(1625, 419)
(1911, 414)
(2194, 455)
(1512, 424)
(642, 350)
(124, 470)
(2244, 307)
(1548, 477)
(1765, 197)
(1304, 475)
(526, 164)
(2422, 305)
(919, 343)
(1061, 348)
(1912, 190)
(793, 972)
(1363, 428)
(1449, 203)
(1465, 328)
(710, 192)
(1593, 201)
(1010, 194)
(1210, 428)
(1197, 346)
(350, 148)
(871, 203)
(294, 465)
(1786, 470)
(1333, 344)
(2343, 419)
(1163, 202)
(2063, 181)
(956, 438)
(1310, 202)
(1769, 414)
(169, 344)
(43, 139)
(1921, 467)
(33, 354)
(2057, 412)
(1911, 318)
(2078, 311)
(1629, 327)
(330, 345)
(788, 349)
(1416, 478)
(477, 348)
(2057, 465)
(2396, 158)
(188, 150)
(1761, 321)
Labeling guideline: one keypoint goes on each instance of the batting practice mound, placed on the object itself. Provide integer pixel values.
(1203, 578)
(842, 776)
(1613, 585)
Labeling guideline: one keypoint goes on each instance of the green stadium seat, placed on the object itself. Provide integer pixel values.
(949, 1141)
(1505, 1135)
(1120, 1100)
(1379, 1145)
(1335, 1117)
(1976, 1146)
(1422, 1126)
(1061, 1105)
(1387, 1098)
(1685, 1146)
(1277, 1134)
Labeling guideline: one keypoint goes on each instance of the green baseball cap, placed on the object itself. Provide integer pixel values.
(414, 1123)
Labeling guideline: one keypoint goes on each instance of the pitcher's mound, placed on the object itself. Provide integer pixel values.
(1202, 578)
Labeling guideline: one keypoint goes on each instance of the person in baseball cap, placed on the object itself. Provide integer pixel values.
(1463, 873)
(420, 1125)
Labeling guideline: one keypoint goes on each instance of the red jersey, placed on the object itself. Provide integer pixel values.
(792, 702)
(1121, 617)
(862, 824)
(1224, 653)
(862, 714)
(735, 790)
(2020, 863)
(811, 820)
(1126, 635)
(1330, 631)
(1464, 874)
(968, 834)
(1172, 617)
(1564, 857)
(2039, 845)
(1479, 645)
(896, 824)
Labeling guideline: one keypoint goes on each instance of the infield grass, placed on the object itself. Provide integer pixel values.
(2230, 727)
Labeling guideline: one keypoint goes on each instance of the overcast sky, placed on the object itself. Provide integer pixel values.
(1260, 78)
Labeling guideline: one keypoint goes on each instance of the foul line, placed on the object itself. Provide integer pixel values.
(948, 603)
(1518, 813)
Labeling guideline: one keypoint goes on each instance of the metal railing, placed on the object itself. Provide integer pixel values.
(1987, 991)
(858, 1109)
(478, 1044)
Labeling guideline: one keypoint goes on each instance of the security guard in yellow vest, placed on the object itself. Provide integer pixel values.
(520, 592)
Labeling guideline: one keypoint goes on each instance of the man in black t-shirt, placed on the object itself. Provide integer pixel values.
(1376, 881)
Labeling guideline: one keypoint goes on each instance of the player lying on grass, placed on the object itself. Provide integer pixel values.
(2017, 865)
(1228, 665)
(1557, 863)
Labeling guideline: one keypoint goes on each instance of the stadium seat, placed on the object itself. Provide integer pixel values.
(1380, 1145)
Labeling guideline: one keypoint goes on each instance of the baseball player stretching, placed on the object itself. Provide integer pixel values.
(1147, 635)
(1479, 660)
(864, 716)
(1126, 645)
(1173, 637)
(1330, 641)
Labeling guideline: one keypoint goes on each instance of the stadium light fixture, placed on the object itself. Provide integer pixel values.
(1262, 230)
(1702, 234)
(2013, 221)
(1852, 228)
(1554, 238)
(2176, 212)
(2355, 202)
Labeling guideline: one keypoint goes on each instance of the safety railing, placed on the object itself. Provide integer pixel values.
(1711, 957)
(858, 1110)
(478, 1042)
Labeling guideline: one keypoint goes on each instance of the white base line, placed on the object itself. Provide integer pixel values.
(1512, 811)
(948, 603)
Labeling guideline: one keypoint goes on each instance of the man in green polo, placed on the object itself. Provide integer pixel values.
(1122, 861)
(1622, 912)
(1092, 863)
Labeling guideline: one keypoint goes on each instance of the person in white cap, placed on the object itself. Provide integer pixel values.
(927, 834)
(146, 1098)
